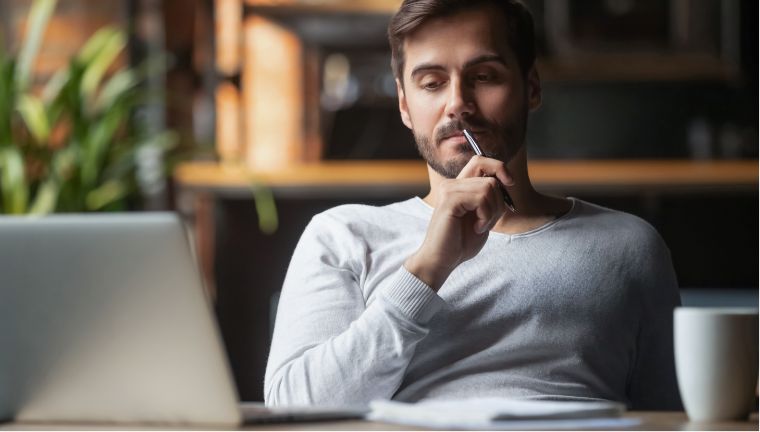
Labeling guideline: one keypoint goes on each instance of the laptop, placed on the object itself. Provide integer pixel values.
(104, 319)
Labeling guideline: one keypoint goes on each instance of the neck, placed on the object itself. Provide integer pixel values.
(533, 208)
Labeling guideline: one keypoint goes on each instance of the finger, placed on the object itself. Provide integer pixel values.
(498, 169)
(475, 201)
(503, 175)
(474, 167)
(496, 202)
(481, 166)
(479, 195)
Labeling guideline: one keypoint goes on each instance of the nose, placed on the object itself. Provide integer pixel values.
(460, 104)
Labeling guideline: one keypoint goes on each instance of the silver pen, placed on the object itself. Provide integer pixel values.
(507, 199)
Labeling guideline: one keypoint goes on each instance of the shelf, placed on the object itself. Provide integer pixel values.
(386, 7)
(363, 23)
(618, 67)
(388, 177)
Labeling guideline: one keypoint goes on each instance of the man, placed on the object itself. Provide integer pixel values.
(454, 295)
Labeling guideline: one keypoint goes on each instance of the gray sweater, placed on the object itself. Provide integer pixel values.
(580, 308)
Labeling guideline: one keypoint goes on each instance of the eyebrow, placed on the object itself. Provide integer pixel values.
(425, 67)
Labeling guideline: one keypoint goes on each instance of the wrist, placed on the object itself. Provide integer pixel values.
(432, 275)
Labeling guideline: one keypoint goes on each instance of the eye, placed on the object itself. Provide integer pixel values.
(483, 77)
(431, 85)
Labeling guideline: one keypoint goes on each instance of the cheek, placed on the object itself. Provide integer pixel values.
(424, 113)
(501, 105)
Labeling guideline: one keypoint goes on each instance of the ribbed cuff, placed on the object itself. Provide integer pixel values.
(413, 297)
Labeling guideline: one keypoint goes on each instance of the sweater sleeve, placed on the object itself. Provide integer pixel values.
(330, 346)
(653, 384)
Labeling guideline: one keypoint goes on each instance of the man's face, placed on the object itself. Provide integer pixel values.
(459, 72)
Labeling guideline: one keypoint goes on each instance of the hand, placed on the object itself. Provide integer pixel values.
(467, 208)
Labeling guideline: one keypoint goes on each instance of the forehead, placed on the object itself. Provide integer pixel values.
(456, 38)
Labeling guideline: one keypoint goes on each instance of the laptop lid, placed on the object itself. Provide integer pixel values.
(103, 318)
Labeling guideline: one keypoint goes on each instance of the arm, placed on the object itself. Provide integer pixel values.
(329, 347)
(653, 384)
(466, 209)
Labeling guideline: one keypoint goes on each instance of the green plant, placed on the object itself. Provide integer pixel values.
(74, 145)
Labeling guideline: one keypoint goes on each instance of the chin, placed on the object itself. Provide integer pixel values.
(451, 167)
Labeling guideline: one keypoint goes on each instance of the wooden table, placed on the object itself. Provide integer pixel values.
(650, 420)
(665, 420)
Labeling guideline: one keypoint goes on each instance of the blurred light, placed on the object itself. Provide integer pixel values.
(228, 29)
(273, 95)
(339, 87)
(385, 85)
(700, 139)
(228, 122)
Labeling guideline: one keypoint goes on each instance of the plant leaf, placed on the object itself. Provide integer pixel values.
(7, 99)
(39, 15)
(107, 193)
(62, 95)
(266, 209)
(13, 181)
(32, 110)
(64, 162)
(97, 144)
(116, 86)
(94, 45)
(109, 42)
(55, 85)
(46, 199)
(2, 48)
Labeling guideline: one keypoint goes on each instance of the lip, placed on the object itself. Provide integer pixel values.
(460, 135)
(456, 139)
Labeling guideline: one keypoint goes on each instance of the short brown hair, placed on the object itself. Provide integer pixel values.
(413, 13)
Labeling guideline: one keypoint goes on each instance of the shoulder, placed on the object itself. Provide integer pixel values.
(624, 226)
(357, 218)
(363, 223)
(629, 240)
(346, 233)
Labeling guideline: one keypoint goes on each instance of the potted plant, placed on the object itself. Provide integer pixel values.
(74, 145)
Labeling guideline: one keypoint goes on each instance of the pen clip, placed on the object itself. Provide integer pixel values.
(472, 142)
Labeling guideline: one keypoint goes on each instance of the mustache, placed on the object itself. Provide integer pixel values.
(456, 126)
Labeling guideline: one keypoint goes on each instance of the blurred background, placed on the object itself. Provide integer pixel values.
(251, 116)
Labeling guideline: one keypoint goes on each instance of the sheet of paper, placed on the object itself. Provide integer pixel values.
(501, 413)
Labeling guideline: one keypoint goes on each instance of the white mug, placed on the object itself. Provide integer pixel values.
(716, 361)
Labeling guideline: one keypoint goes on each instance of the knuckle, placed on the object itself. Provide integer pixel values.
(484, 197)
(489, 185)
(485, 189)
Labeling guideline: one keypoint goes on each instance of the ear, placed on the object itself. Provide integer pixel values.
(534, 89)
(402, 105)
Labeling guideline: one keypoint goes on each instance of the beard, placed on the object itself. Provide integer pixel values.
(509, 138)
